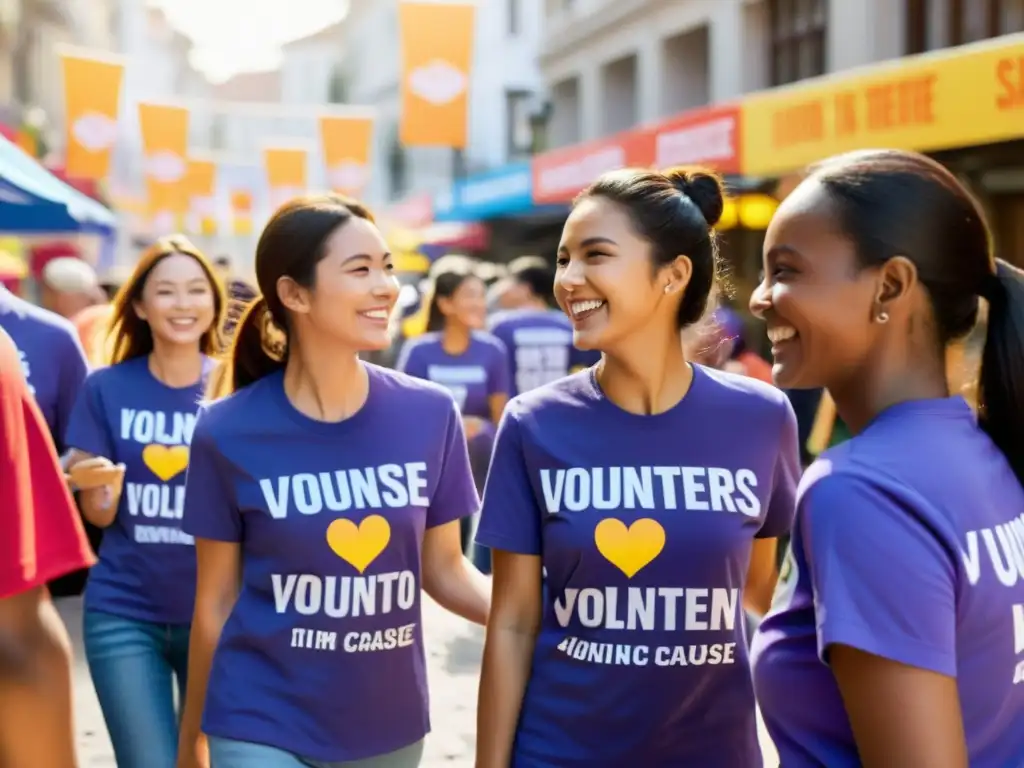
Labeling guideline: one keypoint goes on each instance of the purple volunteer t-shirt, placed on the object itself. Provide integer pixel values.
(539, 344)
(907, 546)
(472, 377)
(644, 525)
(322, 655)
(147, 565)
(52, 359)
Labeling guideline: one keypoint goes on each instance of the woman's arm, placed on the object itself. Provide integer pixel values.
(450, 578)
(99, 483)
(901, 716)
(512, 630)
(761, 576)
(218, 582)
(35, 683)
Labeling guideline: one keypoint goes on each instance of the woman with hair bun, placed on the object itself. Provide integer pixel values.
(648, 491)
(324, 494)
(897, 636)
(130, 431)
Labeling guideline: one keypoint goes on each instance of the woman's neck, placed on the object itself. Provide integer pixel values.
(861, 400)
(176, 365)
(647, 378)
(455, 338)
(325, 385)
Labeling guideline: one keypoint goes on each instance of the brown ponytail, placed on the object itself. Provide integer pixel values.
(254, 352)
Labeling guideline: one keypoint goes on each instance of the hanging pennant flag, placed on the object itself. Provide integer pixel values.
(165, 148)
(345, 142)
(437, 62)
(286, 169)
(92, 99)
(201, 192)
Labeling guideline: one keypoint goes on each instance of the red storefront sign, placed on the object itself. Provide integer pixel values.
(560, 174)
(708, 137)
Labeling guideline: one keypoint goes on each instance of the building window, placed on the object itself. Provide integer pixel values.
(798, 39)
(514, 14)
(519, 128)
(935, 24)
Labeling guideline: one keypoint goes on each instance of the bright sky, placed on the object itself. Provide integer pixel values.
(240, 35)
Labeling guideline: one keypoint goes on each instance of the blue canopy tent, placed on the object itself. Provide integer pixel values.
(34, 201)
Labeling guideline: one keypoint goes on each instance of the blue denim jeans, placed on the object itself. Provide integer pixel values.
(228, 753)
(134, 667)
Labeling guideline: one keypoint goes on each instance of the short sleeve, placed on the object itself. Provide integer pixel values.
(511, 519)
(499, 378)
(88, 429)
(210, 510)
(73, 370)
(778, 520)
(409, 362)
(883, 582)
(455, 496)
(41, 534)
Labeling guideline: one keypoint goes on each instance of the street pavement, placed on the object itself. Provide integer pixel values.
(453, 661)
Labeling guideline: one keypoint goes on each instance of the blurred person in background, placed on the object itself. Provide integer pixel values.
(458, 354)
(647, 475)
(41, 538)
(69, 285)
(51, 355)
(895, 638)
(137, 416)
(537, 335)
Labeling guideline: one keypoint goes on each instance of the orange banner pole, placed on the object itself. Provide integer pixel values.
(92, 99)
(346, 144)
(165, 146)
(437, 63)
(287, 173)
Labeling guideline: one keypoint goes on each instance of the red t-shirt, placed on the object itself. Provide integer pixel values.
(41, 533)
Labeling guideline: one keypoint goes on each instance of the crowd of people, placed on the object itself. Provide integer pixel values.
(572, 456)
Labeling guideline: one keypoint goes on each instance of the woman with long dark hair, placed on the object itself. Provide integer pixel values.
(324, 493)
(130, 431)
(897, 635)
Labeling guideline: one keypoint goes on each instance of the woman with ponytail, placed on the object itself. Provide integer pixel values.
(896, 638)
(130, 431)
(324, 493)
(646, 495)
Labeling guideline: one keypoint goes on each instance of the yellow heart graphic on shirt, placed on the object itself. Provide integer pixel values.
(359, 546)
(629, 549)
(165, 461)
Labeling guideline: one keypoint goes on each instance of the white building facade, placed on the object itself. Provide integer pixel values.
(610, 65)
(505, 91)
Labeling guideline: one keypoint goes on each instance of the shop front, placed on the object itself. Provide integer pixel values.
(964, 105)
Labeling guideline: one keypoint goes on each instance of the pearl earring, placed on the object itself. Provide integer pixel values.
(668, 288)
(882, 317)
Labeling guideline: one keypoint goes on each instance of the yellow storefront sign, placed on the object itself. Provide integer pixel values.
(957, 98)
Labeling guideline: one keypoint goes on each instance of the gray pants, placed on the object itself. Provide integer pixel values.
(227, 753)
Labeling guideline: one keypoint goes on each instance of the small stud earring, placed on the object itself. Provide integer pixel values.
(668, 288)
(882, 317)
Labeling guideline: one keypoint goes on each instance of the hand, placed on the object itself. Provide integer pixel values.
(473, 425)
(193, 753)
(97, 474)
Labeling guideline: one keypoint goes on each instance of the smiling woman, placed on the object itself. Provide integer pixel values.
(130, 429)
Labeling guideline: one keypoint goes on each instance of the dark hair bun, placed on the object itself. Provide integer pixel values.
(704, 187)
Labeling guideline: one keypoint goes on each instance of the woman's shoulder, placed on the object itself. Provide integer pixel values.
(409, 391)
(743, 391)
(488, 340)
